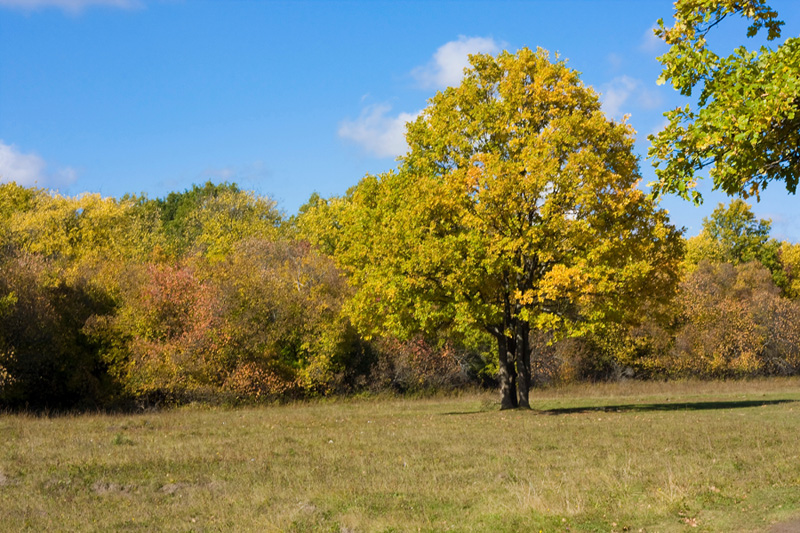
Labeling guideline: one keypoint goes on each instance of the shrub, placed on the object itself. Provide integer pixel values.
(417, 364)
(735, 323)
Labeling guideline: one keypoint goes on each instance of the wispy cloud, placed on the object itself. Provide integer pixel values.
(623, 93)
(218, 173)
(70, 6)
(614, 60)
(784, 227)
(250, 174)
(383, 134)
(650, 43)
(446, 67)
(30, 169)
(377, 131)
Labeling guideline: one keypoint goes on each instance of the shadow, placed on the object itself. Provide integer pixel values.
(635, 408)
(665, 406)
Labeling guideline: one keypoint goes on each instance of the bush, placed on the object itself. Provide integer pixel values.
(734, 324)
(417, 365)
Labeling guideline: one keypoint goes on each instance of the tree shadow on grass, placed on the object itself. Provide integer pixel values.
(663, 406)
(643, 407)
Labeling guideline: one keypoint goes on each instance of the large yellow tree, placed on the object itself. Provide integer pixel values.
(516, 208)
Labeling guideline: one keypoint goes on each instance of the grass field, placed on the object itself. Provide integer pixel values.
(655, 457)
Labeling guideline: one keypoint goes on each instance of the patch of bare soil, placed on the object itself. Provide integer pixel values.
(172, 488)
(792, 526)
(102, 487)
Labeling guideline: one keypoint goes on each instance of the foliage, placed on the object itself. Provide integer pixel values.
(733, 235)
(193, 296)
(735, 323)
(283, 300)
(318, 221)
(210, 220)
(263, 323)
(167, 336)
(746, 126)
(516, 208)
(790, 260)
(46, 361)
(616, 352)
(84, 229)
(417, 365)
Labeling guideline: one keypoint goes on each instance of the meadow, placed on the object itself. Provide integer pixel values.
(631, 456)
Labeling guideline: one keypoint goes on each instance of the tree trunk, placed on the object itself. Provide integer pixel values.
(508, 389)
(523, 358)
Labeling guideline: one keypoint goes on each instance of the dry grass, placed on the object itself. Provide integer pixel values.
(654, 457)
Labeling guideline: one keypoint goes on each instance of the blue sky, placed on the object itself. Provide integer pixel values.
(289, 98)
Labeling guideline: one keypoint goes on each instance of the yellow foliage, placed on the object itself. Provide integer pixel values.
(516, 207)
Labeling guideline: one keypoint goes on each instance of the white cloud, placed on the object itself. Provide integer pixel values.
(784, 227)
(615, 94)
(650, 43)
(30, 169)
(63, 176)
(446, 67)
(624, 92)
(70, 6)
(378, 132)
(382, 134)
(218, 173)
(25, 169)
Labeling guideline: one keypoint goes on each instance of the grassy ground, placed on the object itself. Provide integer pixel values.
(628, 457)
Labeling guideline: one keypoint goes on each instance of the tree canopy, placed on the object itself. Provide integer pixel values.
(746, 125)
(516, 208)
(733, 234)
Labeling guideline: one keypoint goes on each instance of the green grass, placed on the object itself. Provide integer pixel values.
(649, 457)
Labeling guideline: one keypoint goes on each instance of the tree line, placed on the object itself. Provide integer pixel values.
(512, 246)
(212, 295)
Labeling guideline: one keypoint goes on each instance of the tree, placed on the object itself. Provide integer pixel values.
(58, 257)
(167, 337)
(210, 220)
(515, 208)
(46, 360)
(733, 235)
(746, 126)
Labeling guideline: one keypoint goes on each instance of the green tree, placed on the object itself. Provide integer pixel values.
(746, 125)
(317, 222)
(733, 234)
(516, 208)
(211, 219)
(46, 360)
